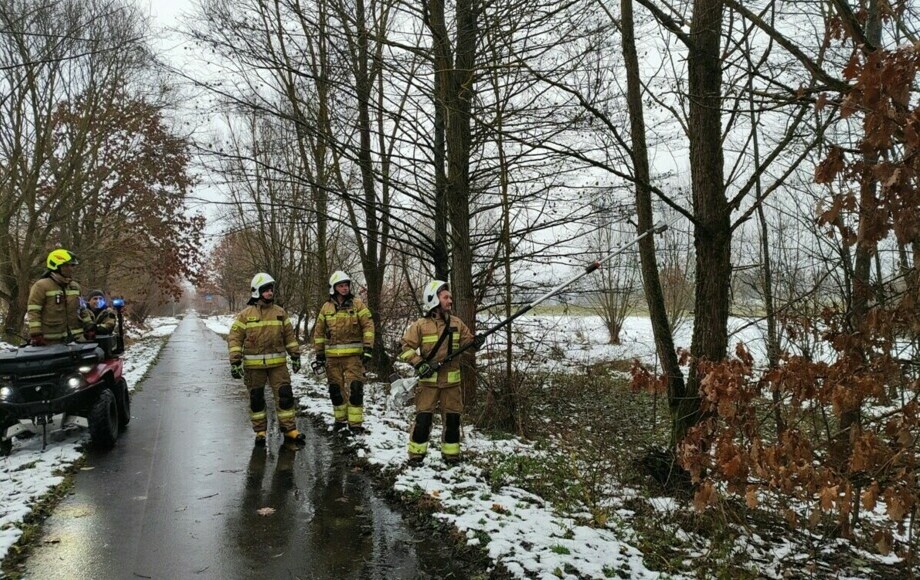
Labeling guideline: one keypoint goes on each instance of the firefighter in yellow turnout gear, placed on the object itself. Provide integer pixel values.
(260, 340)
(424, 345)
(55, 313)
(343, 342)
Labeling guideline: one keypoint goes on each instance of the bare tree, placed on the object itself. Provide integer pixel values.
(617, 283)
(86, 55)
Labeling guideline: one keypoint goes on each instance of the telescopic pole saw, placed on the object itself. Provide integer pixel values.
(402, 387)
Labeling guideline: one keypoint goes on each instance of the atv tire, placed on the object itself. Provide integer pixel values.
(6, 447)
(103, 420)
(123, 397)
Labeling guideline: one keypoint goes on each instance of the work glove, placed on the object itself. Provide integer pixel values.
(236, 369)
(478, 341)
(426, 369)
(38, 340)
(295, 363)
(319, 363)
(368, 355)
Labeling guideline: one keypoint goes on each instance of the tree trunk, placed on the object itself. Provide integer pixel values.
(766, 265)
(865, 249)
(15, 314)
(457, 96)
(439, 252)
(654, 296)
(712, 228)
(374, 270)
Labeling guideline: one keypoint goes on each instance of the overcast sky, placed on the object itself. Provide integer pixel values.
(167, 15)
(165, 12)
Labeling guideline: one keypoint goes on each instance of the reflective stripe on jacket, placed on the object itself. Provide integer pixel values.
(343, 329)
(421, 337)
(55, 309)
(262, 336)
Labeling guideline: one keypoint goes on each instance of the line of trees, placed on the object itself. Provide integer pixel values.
(87, 157)
(484, 142)
(494, 145)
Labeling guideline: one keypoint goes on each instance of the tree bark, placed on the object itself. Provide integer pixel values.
(455, 69)
(712, 227)
(654, 296)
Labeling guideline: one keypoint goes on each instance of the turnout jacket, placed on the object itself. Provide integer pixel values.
(343, 329)
(421, 337)
(104, 320)
(262, 336)
(55, 309)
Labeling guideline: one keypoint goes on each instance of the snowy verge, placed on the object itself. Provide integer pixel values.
(517, 529)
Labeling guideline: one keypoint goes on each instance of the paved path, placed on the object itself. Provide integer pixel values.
(180, 495)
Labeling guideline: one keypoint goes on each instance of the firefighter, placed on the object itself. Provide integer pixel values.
(343, 343)
(427, 342)
(56, 313)
(103, 316)
(260, 340)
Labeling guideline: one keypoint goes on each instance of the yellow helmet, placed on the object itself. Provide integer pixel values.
(59, 257)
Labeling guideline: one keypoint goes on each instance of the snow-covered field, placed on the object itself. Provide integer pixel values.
(29, 472)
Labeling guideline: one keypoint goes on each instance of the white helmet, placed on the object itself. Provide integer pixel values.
(259, 281)
(338, 276)
(430, 294)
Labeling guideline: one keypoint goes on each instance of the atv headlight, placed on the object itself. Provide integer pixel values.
(85, 368)
(6, 393)
(74, 382)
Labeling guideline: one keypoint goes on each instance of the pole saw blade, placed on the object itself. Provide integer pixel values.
(401, 391)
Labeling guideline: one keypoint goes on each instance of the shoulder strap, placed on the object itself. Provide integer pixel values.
(437, 345)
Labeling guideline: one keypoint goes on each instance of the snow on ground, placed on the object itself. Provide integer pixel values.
(141, 355)
(30, 472)
(516, 528)
(219, 324)
(566, 341)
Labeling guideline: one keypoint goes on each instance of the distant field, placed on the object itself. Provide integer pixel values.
(739, 311)
(571, 310)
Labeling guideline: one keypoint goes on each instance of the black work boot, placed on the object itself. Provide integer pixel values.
(416, 460)
(260, 438)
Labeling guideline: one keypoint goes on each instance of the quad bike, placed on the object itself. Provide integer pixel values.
(45, 388)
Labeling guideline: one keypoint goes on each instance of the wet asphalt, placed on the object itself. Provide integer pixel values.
(186, 494)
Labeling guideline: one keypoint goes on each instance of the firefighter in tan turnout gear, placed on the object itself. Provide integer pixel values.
(55, 311)
(103, 316)
(260, 340)
(343, 342)
(427, 342)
